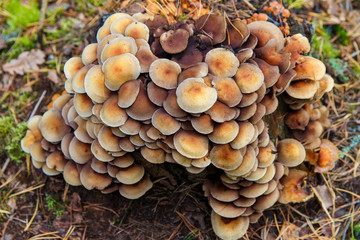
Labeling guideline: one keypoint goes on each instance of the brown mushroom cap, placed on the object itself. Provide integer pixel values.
(137, 30)
(55, 160)
(266, 201)
(311, 68)
(80, 132)
(130, 175)
(98, 166)
(302, 89)
(120, 69)
(174, 41)
(298, 119)
(248, 162)
(91, 179)
(94, 84)
(227, 90)
(27, 141)
(194, 96)
(111, 114)
(290, 152)
(108, 140)
(155, 156)
(157, 95)
(118, 46)
(99, 152)
(52, 126)
(71, 174)
(229, 228)
(136, 190)
(103, 43)
(244, 202)
(224, 157)
(172, 107)
(128, 93)
(164, 73)
(202, 124)
(103, 31)
(191, 144)
(269, 175)
(79, 152)
(328, 155)
(146, 58)
(312, 131)
(224, 132)
(37, 153)
(77, 83)
(249, 77)
(130, 127)
(165, 123)
(222, 193)
(238, 33)
(89, 54)
(33, 126)
(83, 105)
(266, 155)
(244, 136)
(293, 187)
(72, 66)
(198, 70)
(213, 25)
(227, 210)
(264, 31)
(222, 62)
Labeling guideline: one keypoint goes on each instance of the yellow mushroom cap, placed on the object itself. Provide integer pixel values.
(302, 89)
(222, 62)
(72, 66)
(191, 144)
(118, 46)
(311, 68)
(121, 23)
(128, 93)
(137, 30)
(224, 132)
(194, 96)
(224, 157)
(52, 126)
(290, 152)
(120, 69)
(229, 228)
(130, 175)
(111, 114)
(164, 73)
(227, 90)
(94, 84)
(249, 77)
(165, 123)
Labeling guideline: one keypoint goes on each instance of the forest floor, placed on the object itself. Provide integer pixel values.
(35, 206)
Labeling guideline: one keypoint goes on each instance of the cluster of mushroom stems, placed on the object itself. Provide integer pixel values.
(194, 93)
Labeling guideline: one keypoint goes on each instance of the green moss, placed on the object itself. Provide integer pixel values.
(322, 45)
(295, 3)
(343, 38)
(340, 69)
(53, 204)
(10, 137)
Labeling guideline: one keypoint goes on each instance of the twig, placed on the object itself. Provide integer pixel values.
(44, 4)
(37, 104)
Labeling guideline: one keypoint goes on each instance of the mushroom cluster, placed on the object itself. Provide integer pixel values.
(193, 93)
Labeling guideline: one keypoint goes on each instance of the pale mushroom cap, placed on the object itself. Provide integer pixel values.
(244, 136)
(37, 152)
(227, 90)
(94, 84)
(104, 42)
(120, 69)
(80, 132)
(191, 144)
(33, 126)
(155, 156)
(128, 93)
(249, 77)
(157, 95)
(52, 126)
(266, 201)
(72, 66)
(203, 124)
(164, 73)
(124, 161)
(302, 89)
(194, 96)
(48, 171)
(118, 46)
(264, 31)
(111, 114)
(83, 105)
(65, 144)
(89, 54)
(228, 210)
(248, 162)
(55, 160)
(253, 191)
(136, 190)
(77, 83)
(172, 107)
(103, 31)
(224, 132)
(27, 141)
(290, 152)
(130, 175)
(224, 157)
(165, 123)
(98, 166)
(137, 30)
(99, 152)
(222, 62)
(108, 140)
(229, 228)
(61, 101)
(220, 112)
(130, 127)
(71, 174)
(79, 152)
(121, 23)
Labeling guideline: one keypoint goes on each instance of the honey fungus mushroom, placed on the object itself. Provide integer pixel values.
(197, 94)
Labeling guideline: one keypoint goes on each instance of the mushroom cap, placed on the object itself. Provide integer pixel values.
(227, 91)
(222, 193)
(157, 95)
(238, 33)
(37, 153)
(244, 136)
(298, 119)
(89, 54)
(302, 89)
(155, 156)
(98, 166)
(83, 105)
(194, 96)
(71, 174)
(94, 84)
(146, 57)
(191, 144)
(118, 46)
(180, 159)
(103, 43)
(264, 31)
(77, 83)
(328, 155)
(91, 179)
(124, 161)
(312, 131)
(222, 62)
(224, 157)
(130, 175)
(311, 68)
(165, 123)
(55, 160)
(33, 126)
(271, 73)
(197, 70)
(293, 190)
(72, 66)
(137, 30)
(213, 25)
(102, 32)
(248, 162)
(120, 69)
(266, 155)
(108, 140)
(121, 23)
(228, 210)
(229, 228)
(111, 114)
(164, 73)
(253, 191)
(264, 202)
(99, 152)
(128, 93)
(79, 152)
(290, 152)
(220, 112)
(27, 141)
(136, 190)
(244, 202)
(202, 124)
(249, 77)
(174, 41)
(224, 132)
(130, 127)
(171, 105)
(52, 126)
(269, 175)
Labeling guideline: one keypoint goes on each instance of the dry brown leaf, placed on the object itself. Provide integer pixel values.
(325, 195)
(26, 61)
(289, 231)
(52, 76)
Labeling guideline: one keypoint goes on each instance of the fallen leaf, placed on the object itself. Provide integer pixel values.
(289, 231)
(26, 61)
(325, 195)
(52, 76)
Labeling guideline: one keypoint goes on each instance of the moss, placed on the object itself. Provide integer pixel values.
(322, 45)
(53, 204)
(10, 137)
